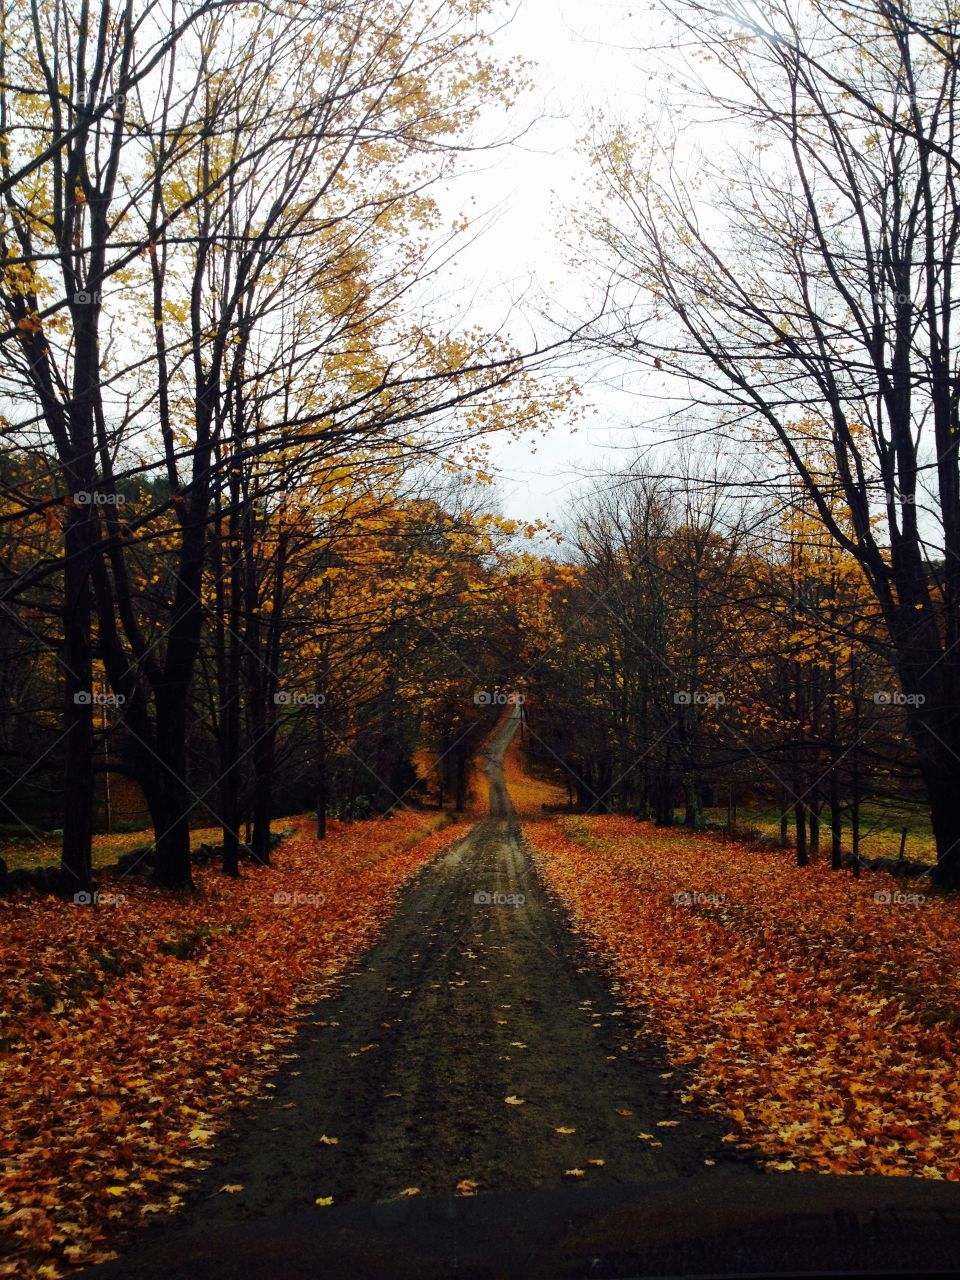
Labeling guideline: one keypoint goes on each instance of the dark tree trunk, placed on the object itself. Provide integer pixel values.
(836, 834)
(172, 820)
(76, 856)
(800, 816)
(814, 811)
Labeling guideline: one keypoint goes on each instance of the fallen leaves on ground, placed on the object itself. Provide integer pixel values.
(821, 1022)
(131, 1031)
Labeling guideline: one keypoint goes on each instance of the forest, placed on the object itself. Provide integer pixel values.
(286, 672)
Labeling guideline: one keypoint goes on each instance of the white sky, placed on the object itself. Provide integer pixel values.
(578, 47)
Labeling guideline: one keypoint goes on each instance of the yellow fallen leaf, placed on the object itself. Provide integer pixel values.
(324, 1200)
(622, 1111)
(467, 1187)
(410, 1191)
(564, 1128)
(231, 1188)
(116, 1191)
(327, 1142)
(597, 1164)
(513, 1101)
(573, 1173)
(667, 1124)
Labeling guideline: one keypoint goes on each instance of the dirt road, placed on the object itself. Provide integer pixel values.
(463, 1004)
(478, 992)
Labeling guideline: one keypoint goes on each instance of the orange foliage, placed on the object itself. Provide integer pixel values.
(529, 794)
(821, 1022)
(194, 995)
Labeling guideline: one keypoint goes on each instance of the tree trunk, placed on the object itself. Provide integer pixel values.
(171, 822)
(321, 774)
(693, 817)
(800, 815)
(814, 811)
(76, 862)
(836, 840)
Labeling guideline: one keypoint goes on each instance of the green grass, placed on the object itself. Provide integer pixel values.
(880, 828)
(20, 854)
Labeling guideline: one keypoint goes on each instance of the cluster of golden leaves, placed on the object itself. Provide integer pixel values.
(821, 1022)
(132, 1030)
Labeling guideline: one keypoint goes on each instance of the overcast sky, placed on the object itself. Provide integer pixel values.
(580, 49)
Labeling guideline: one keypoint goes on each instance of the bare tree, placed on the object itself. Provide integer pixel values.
(806, 285)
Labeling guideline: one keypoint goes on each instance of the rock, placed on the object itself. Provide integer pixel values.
(46, 879)
(137, 861)
(17, 879)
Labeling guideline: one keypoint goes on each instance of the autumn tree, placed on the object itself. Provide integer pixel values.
(215, 227)
(819, 286)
